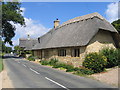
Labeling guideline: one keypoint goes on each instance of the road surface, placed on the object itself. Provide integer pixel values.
(25, 74)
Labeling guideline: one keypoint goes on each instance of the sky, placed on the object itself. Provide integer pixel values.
(39, 16)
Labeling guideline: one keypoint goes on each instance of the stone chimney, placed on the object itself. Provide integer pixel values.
(56, 23)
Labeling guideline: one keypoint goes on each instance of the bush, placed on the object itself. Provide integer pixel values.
(32, 58)
(44, 62)
(59, 64)
(69, 68)
(53, 61)
(86, 71)
(83, 70)
(76, 69)
(95, 62)
(112, 56)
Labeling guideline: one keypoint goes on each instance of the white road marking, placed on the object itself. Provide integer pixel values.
(56, 83)
(24, 65)
(34, 71)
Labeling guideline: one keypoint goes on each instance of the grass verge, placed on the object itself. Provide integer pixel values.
(1, 64)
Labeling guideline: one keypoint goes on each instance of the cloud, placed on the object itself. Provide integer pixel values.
(23, 10)
(33, 28)
(112, 12)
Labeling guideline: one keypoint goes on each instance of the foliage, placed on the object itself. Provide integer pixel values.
(53, 61)
(4, 48)
(28, 52)
(59, 65)
(44, 62)
(17, 49)
(84, 71)
(11, 13)
(116, 24)
(1, 64)
(95, 62)
(69, 68)
(112, 55)
(32, 58)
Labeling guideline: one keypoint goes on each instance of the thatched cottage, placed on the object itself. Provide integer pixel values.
(72, 40)
(27, 43)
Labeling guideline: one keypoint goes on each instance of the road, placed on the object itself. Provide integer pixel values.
(25, 74)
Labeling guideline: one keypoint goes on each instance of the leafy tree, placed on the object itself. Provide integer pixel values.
(10, 13)
(4, 48)
(116, 24)
(18, 50)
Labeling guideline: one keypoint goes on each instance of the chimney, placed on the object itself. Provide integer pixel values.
(28, 37)
(56, 23)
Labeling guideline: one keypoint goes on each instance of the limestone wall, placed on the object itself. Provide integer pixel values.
(101, 40)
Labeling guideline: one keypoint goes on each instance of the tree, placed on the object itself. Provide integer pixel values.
(18, 50)
(10, 13)
(4, 48)
(116, 24)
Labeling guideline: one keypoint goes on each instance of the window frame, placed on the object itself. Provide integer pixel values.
(62, 52)
(75, 52)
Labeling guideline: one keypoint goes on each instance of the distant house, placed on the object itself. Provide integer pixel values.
(72, 40)
(27, 43)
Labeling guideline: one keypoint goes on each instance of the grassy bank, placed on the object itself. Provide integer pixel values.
(1, 64)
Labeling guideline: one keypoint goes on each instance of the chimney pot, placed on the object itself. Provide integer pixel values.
(56, 23)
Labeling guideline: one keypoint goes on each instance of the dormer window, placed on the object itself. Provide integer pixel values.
(39, 40)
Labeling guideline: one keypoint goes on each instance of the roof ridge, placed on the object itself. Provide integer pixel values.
(84, 17)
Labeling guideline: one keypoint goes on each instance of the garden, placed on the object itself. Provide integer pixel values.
(93, 63)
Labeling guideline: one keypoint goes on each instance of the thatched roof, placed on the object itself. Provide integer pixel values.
(27, 44)
(22, 42)
(75, 32)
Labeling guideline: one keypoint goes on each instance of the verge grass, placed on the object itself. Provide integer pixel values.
(1, 64)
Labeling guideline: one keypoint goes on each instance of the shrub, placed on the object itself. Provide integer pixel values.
(44, 62)
(69, 68)
(112, 56)
(83, 70)
(86, 71)
(53, 61)
(95, 62)
(76, 69)
(32, 58)
(59, 64)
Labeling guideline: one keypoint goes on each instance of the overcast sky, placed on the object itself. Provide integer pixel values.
(39, 16)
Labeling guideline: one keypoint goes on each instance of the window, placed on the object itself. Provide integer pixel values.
(39, 40)
(62, 52)
(75, 52)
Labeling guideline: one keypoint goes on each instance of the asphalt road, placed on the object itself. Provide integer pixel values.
(25, 74)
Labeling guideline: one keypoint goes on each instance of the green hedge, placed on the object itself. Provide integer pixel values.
(95, 62)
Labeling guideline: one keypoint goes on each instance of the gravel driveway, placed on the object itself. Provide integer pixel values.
(109, 77)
